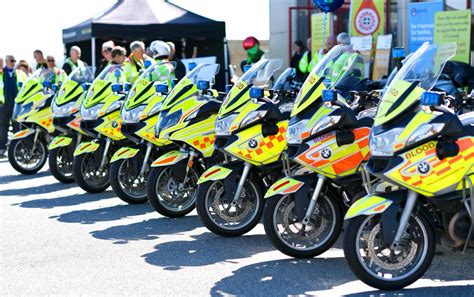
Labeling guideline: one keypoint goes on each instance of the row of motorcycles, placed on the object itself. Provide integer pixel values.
(392, 158)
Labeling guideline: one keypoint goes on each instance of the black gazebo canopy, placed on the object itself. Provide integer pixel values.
(148, 20)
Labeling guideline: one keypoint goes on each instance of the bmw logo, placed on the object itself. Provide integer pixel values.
(326, 153)
(253, 143)
(114, 124)
(423, 167)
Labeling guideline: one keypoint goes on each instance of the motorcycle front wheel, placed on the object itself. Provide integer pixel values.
(60, 163)
(168, 195)
(88, 174)
(287, 233)
(380, 266)
(126, 183)
(26, 159)
(224, 219)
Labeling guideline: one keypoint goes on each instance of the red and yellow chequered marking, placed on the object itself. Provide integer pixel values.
(442, 174)
(204, 142)
(270, 144)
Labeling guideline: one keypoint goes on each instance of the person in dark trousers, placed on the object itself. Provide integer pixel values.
(180, 70)
(298, 49)
(10, 90)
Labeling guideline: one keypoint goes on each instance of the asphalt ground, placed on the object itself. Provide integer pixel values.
(56, 239)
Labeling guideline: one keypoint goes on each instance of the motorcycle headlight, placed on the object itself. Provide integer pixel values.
(114, 106)
(91, 113)
(253, 116)
(63, 110)
(132, 115)
(324, 123)
(223, 125)
(295, 131)
(382, 144)
(423, 132)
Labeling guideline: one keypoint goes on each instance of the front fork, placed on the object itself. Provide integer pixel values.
(149, 146)
(37, 131)
(241, 184)
(406, 213)
(314, 199)
(104, 154)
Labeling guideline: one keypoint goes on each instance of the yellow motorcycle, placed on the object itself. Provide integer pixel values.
(250, 131)
(187, 118)
(28, 149)
(130, 165)
(67, 121)
(100, 112)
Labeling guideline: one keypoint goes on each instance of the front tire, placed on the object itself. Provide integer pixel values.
(60, 164)
(23, 159)
(374, 263)
(289, 236)
(129, 188)
(88, 175)
(224, 219)
(165, 194)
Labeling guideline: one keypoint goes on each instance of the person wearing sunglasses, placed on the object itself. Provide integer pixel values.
(106, 56)
(59, 75)
(74, 60)
(9, 87)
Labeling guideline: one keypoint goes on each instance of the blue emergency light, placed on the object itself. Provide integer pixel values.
(203, 85)
(46, 84)
(431, 99)
(117, 73)
(398, 52)
(256, 92)
(329, 95)
(55, 88)
(85, 86)
(192, 65)
(327, 82)
(247, 67)
(20, 84)
(127, 87)
(147, 63)
(117, 88)
(228, 88)
(161, 88)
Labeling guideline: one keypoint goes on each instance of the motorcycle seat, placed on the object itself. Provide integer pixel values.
(467, 118)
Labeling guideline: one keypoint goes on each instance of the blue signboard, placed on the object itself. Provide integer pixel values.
(421, 22)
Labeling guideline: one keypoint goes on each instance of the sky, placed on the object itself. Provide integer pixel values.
(28, 25)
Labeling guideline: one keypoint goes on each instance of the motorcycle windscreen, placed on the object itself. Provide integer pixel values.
(314, 84)
(418, 74)
(187, 86)
(71, 89)
(33, 85)
(258, 75)
(101, 87)
(143, 88)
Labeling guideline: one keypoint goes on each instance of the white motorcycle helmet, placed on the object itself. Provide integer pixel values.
(160, 48)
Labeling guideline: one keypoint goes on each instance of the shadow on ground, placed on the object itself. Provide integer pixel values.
(147, 230)
(206, 249)
(105, 214)
(293, 277)
(19, 177)
(37, 190)
(69, 200)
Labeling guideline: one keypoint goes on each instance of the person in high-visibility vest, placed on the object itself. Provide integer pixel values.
(134, 64)
(309, 60)
(10, 79)
(161, 52)
(59, 74)
(74, 60)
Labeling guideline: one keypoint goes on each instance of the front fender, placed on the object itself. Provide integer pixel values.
(59, 141)
(170, 158)
(284, 186)
(22, 134)
(124, 153)
(368, 205)
(86, 147)
(216, 172)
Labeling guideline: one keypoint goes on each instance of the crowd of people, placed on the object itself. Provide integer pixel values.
(13, 74)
